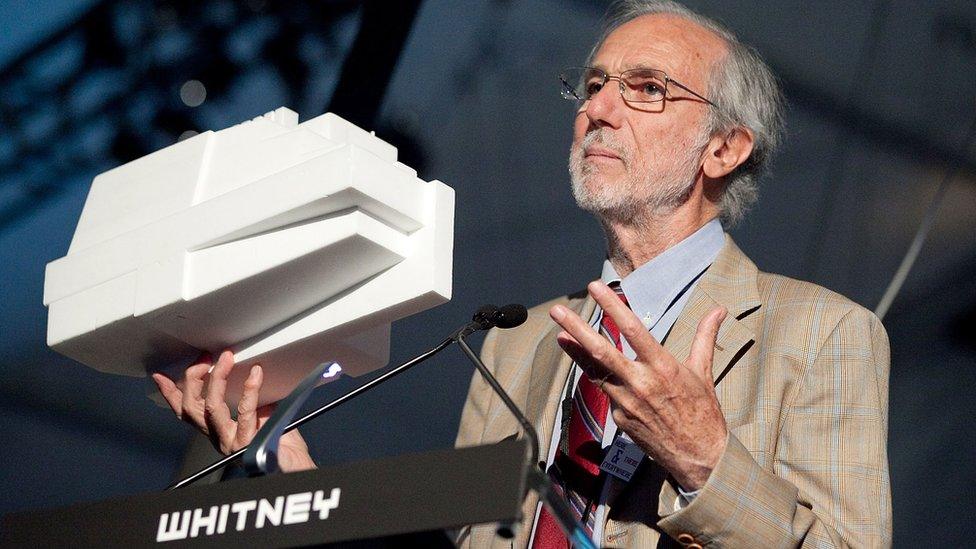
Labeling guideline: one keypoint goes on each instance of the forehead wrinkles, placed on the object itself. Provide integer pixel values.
(673, 44)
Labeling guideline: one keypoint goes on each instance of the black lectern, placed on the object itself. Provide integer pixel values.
(368, 500)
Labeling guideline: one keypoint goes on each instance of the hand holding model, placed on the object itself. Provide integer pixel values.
(198, 399)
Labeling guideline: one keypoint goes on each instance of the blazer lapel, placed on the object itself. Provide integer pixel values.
(730, 282)
(734, 337)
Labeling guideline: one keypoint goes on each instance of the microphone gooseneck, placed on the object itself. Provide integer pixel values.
(511, 316)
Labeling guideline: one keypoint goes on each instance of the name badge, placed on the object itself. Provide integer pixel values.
(622, 459)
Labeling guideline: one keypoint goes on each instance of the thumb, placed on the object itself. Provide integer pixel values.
(703, 347)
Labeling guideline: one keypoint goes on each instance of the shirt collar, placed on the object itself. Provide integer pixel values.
(654, 286)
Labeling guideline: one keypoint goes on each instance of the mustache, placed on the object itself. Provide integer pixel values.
(605, 138)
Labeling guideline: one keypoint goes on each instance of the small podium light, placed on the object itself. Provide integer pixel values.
(333, 371)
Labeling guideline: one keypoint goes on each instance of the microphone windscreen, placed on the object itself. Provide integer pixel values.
(511, 315)
(485, 312)
(485, 316)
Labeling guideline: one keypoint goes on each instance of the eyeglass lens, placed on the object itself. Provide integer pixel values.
(637, 85)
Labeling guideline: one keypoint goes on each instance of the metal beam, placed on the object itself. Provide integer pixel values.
(368, 68)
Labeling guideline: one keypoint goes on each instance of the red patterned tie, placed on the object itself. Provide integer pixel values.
(576, 471)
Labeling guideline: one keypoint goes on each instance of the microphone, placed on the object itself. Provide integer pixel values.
(510, 316)
(484, 316)
(490, 316)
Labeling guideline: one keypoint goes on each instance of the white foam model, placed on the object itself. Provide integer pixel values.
(291, 244)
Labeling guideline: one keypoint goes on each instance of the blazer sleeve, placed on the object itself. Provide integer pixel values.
(829, 485)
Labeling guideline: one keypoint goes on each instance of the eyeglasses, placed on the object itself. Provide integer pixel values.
(636, 85)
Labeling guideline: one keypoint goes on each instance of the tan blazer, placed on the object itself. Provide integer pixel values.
(803, 381)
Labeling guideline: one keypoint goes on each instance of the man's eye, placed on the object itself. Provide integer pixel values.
(644, 88)
(647, 89)
(593, 88)
(651, 88)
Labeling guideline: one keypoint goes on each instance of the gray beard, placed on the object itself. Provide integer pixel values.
(644, 193)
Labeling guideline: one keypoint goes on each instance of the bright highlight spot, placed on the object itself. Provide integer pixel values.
(334, 370)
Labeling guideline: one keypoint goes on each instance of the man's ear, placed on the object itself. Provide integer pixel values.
(726, 153)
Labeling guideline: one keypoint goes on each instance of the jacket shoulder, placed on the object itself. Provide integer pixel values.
(817, 311)
(792, 292)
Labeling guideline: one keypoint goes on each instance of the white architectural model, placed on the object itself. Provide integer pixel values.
(292, 244)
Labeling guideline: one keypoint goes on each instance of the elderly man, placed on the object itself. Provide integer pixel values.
(761, 421)
(695, 399)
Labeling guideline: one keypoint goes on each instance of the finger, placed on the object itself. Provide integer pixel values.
(217, 412)
(171, 393)
(247, 408)
(620, 417)
(703, 346)
(581, 357)
(631, 328)
(193, 381)
(607, 381)
(595, 349)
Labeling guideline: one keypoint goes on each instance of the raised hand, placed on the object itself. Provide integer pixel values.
(198, 399)
(668, 407)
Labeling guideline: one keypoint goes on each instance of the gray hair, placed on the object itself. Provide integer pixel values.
(741, 86)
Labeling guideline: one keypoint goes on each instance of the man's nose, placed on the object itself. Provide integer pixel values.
(605, 107)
